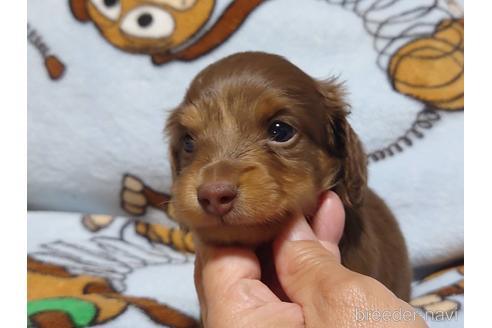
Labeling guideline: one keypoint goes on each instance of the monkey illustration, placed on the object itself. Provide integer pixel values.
(96, 222)
(54, 66)
(135, 196)
(58, 298)
(161, 28)
(175, 238)
(437, 302)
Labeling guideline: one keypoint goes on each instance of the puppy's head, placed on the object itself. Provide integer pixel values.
(255, 141)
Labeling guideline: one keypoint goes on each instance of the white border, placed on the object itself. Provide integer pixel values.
(478, 163)
(13, 146)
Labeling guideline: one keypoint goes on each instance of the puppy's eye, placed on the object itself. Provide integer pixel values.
(280, 131)
(188, 144)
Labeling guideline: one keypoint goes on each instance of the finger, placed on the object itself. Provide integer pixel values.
(228, 282)
(329, 221)
(303, 264)
(231, 263)
(224, 271)
(298, 230)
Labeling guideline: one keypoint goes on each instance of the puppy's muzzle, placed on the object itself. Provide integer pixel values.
(217, 198)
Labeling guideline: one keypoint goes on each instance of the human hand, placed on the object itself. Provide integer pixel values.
(322, 292)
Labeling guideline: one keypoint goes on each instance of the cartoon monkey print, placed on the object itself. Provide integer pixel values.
(161, 28)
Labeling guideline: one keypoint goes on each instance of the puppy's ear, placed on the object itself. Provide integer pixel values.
(173, 130)
(343, 143)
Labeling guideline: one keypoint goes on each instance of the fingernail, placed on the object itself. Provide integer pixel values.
(300, 230)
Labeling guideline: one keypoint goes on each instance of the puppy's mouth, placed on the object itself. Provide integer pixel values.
(235, 219)
(241, 226)
(226, 233)
(219, 216)
(248, 224)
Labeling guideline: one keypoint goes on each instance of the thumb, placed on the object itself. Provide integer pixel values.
(303, 263)
(329, 222)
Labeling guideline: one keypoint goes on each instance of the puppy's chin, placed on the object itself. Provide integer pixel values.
(238, 235)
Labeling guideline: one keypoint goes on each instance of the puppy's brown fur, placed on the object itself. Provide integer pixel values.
(227, 111)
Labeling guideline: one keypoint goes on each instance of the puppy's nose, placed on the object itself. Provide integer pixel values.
(217, 198)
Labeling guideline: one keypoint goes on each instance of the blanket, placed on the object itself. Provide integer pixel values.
(92, 270)
(103, 76)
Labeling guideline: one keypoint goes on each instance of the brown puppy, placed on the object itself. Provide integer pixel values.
(255, 141)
